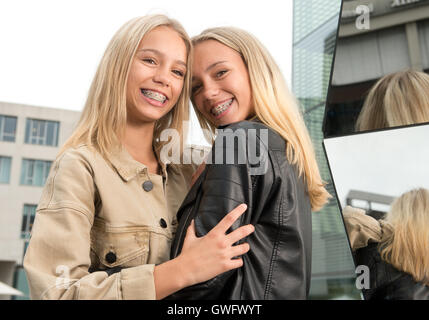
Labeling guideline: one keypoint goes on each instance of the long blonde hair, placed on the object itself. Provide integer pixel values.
(104, 116)
(274, 105)
(406, 247)
(397, 99)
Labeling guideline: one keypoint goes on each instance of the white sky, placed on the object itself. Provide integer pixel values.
(386, 162)
(49, 50)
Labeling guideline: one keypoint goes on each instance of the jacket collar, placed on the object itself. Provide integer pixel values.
(127, 167)
(192, 193)
(253, 118)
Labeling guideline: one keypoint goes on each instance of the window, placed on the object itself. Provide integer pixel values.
(7, 128)
(5, 169)
(34, 172)
(42, 132)
(28, 220)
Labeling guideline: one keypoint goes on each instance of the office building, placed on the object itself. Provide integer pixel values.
(375, 38)
(30, 138)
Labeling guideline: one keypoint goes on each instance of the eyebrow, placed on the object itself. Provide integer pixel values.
(214, 65)
(161, 54)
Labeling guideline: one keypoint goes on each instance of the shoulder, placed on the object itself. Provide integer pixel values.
(77, 159)
(361, 228)
(241, 136)
(243, 143)
(79, 152)
(71, 181)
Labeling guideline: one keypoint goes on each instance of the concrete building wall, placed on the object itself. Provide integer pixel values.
(13, 195)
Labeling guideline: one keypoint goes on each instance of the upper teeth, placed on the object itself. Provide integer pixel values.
(217, 110)
(154, 95)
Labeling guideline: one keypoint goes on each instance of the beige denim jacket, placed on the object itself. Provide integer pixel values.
(95, 215)
(363, 229)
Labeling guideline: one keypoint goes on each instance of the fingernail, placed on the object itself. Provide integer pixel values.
(244, 206)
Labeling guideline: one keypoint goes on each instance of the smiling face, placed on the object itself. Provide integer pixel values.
(220, 83)
(156, 77)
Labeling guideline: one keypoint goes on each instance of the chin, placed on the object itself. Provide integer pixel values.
(224, 122)
(151, 115)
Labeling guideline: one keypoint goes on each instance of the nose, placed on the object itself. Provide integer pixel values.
(162, 76)
(210, 90)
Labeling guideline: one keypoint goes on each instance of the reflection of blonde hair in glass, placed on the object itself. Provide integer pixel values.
(407, 246)
(104, 116)
(274, 105)
(397, 99)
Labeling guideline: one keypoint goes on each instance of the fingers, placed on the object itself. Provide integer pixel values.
(235, 263)
(240, 249)
(230, 218)
(240, 233)
(190, 232)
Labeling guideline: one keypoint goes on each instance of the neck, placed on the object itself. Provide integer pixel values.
(138, 142)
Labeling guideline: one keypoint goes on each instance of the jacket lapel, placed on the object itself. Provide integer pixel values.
(192, 194)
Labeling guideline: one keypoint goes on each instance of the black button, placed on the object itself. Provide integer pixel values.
(162, 223)
(147, 185)
(111, 257)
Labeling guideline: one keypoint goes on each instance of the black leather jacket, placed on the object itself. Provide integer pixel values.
(386, 282)
(278, 265)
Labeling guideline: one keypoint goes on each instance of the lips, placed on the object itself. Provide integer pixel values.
(221, 107)
(154, 95)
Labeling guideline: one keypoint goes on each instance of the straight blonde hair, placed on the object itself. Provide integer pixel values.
(274, 105)
(397, 99)
(103, 120)
(406, 247)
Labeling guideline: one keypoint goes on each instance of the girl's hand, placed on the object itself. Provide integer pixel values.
(206, 257)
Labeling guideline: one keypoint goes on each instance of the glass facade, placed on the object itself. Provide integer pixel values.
(397, 40)
(314, 36)
(5, 164)
(42, 132)
(7, 128)
(34, 172)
